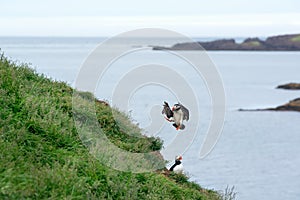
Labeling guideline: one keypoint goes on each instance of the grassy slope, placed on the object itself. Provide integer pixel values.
(296, 39)
(42, 156)
(252, 43)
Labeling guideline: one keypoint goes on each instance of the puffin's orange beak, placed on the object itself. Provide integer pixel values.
(173, 108)
(180, 158)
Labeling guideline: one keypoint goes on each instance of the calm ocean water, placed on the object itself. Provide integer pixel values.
(258, 152)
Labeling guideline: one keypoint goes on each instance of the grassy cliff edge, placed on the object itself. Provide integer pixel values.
(42, 156)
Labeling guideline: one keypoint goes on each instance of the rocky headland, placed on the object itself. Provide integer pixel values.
(293, 105)
(274, 43)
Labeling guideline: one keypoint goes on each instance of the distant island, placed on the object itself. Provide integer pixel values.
(274, 43)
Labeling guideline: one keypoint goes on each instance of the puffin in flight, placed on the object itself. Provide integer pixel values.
(177, 114)
(177, 167)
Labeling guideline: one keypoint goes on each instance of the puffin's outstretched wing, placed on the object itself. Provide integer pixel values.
(185, 111)
(167, 110)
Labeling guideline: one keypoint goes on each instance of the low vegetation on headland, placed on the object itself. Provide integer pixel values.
(42, 156)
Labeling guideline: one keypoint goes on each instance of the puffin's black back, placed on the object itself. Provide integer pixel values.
(177, 162)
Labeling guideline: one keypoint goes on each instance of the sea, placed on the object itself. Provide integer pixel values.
(255, 153)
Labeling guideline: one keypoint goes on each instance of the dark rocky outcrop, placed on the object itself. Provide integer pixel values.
(284, 42)
(227, 44)
(274, 43)
(293, 105)
(289, 86)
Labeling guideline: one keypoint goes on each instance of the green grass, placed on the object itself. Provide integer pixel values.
(42, 156)
(296, 39)
(252, 43)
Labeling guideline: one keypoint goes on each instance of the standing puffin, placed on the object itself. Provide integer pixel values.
(177, 167)
(176, 115)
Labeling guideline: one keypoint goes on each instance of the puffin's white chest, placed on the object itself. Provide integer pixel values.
(178, 169)
(178, 116)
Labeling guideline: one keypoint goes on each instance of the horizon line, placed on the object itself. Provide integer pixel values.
(113, 35)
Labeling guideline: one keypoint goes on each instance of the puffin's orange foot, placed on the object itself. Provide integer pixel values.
(178, 127)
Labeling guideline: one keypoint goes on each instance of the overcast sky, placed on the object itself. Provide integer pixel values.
(110, 17)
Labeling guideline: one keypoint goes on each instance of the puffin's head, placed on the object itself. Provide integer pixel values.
(176, 107)
(178, 158)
